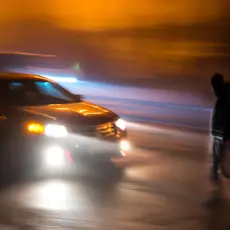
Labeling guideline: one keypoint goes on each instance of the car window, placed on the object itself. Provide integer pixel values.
(15, 85)
(37, 92)
(49, 89)
(23, 89)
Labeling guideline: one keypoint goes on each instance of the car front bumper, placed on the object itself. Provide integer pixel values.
(54, 154)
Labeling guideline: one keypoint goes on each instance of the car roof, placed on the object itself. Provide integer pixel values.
(21, 76)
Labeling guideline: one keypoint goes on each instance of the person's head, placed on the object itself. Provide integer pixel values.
(217, 82)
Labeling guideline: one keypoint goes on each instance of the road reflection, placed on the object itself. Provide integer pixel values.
(54, 195)
(165, 187)
(81, 195)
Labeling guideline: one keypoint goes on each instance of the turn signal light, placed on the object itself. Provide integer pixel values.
(34, 127)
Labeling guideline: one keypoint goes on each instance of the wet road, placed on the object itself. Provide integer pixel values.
(148, 105)
(164, 187)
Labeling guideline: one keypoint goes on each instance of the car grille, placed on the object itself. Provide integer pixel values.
(107, 129)
(104, 130)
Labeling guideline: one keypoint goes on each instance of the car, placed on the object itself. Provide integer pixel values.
(44, 126)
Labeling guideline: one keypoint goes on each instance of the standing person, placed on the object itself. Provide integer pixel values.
(218, 125)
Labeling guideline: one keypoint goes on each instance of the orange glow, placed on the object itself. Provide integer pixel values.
(82, 110)
(34, 127)
(64, 109)
(103, 14)
(177, 36)
(92, 113)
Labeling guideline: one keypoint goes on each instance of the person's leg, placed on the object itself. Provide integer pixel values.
(215, 182)
(215, 160)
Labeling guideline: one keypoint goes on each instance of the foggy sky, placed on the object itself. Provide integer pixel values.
(168, 47)
(104, 14)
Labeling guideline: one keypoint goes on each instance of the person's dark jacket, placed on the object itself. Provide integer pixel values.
(221, 113)
(218, 118)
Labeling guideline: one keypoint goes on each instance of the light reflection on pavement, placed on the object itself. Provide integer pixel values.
(163, 188)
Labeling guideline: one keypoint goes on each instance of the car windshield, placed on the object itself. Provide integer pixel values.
(34, 92)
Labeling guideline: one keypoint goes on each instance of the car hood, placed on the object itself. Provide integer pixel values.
(82, 112)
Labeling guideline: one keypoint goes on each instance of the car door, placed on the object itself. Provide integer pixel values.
(3, 121)
(10, 158)
(4, 143)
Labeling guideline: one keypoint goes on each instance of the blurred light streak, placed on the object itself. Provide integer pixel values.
(63, 79)
(143, 127)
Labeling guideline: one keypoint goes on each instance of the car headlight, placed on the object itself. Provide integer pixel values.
(121, 124)
(51, 130)
(125, 145)
(54, 156)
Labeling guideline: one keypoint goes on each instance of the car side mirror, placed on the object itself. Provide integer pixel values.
(78, 97)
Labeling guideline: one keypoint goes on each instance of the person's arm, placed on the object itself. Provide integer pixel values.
(218, 119)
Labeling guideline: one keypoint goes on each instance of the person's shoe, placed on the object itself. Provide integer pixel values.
(214, 194)
(216, 185)
(214, 198)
